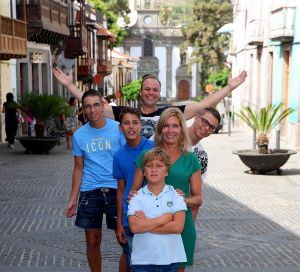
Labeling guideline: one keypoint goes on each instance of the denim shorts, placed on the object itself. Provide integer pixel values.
(93, 204)
(156, 268)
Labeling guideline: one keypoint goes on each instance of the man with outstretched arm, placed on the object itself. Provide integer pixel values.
(150, 94)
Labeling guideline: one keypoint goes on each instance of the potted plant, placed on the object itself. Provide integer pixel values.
(42, 108)
(263, 121)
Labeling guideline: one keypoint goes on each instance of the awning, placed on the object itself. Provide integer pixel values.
(119, 55)
(125, 64)
(103, 32)
(227, 28)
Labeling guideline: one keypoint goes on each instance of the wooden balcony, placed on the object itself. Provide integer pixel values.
(47, 20)
(84, 67)
(104, 67)
(13, 38)
(76, 45)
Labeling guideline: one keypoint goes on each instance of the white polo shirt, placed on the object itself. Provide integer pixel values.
(151, 248)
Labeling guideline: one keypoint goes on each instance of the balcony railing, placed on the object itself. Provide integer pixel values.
(76, 45)
(282, 23)
(255, 32)
(104, 67)
(13, 38)
(47, 20)
(84, 67)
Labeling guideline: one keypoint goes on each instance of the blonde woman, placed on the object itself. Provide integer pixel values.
(172, 136)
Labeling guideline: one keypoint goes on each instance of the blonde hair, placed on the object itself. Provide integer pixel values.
(157, 154)
(184, 141)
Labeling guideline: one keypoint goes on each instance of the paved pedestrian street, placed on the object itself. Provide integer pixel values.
(247, 222)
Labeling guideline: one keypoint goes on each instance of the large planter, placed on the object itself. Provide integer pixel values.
(38, 145)
(261, 163)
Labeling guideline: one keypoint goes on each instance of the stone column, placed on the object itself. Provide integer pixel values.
(169, 73)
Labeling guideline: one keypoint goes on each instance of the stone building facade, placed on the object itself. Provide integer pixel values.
(157, 46)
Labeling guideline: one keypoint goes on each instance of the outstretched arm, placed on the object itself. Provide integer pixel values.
(67, 81)
(192, 109)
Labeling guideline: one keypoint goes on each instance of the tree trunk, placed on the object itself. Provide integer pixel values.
(39, 129)
(262, 142)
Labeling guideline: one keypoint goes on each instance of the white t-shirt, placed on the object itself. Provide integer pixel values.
(157, 249)
(199, 151)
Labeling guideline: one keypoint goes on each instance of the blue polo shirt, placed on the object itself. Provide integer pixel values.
(124, 168)
(151, 248)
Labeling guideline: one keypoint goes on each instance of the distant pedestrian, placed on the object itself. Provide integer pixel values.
(94, 146)
(30, 123)
(70, 122)
(10, 109)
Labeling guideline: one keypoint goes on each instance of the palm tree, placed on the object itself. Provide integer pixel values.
(42, 108)
(263, 121)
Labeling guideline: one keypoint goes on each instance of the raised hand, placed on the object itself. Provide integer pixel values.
(232, 83)
(64, 79)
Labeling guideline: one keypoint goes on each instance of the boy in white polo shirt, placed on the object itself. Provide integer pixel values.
(156, 217)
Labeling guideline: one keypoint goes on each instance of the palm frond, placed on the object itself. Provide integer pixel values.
(265, 119)
(43, 107)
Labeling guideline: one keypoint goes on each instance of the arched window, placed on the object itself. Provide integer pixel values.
(148, 47)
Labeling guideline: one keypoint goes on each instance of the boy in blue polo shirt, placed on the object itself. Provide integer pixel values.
(123, 171)
(156, 216)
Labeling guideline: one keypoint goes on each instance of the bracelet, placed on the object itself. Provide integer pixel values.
(187, 201)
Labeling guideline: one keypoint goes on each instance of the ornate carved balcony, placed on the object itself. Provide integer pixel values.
(76, 45)
(282, 23)
(84, 67)
(255, 32)
(13, 38)
(104, 67)
(47, 20)
(105, 40)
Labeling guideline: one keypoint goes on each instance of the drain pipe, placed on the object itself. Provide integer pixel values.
(277, 139)
(254, 139)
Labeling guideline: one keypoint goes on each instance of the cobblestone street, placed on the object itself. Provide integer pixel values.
(247, 222)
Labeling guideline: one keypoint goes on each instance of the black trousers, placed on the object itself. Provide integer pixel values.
(11, 131)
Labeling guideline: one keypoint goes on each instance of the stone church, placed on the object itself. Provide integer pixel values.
(157, 46)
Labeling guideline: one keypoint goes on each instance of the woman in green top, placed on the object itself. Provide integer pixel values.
(172, 136)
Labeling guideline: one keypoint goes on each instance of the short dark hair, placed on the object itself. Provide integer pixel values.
(9, 97)
(130, 110)
(147, 76)
(212, 111)
(91, 92)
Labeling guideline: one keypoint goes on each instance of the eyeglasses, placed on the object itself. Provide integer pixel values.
(207, 124)
(89, 107)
